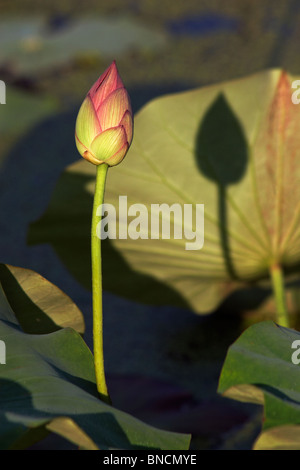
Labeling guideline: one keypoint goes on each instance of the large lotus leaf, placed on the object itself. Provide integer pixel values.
(259, 369)
(31, 46)
(48, 383)
(233, 147)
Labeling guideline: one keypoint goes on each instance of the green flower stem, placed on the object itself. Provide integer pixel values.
(279, 292)
(97, 285)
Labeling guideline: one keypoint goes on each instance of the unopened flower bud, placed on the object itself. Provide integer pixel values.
(104, 124)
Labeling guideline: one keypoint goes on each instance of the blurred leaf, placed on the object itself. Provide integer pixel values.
(20, 113)
(29, 46)
(259, 369)
(214, 146)
(48, 381)
(20, 105)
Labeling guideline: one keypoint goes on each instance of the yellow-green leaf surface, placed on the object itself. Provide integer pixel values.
(233, 147)
(39, 305)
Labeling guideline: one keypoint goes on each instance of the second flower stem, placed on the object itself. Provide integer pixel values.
(97, 284)
(279, 293)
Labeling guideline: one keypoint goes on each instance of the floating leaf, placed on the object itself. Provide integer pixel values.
(259, 369)
(48, 382)
(233, 147)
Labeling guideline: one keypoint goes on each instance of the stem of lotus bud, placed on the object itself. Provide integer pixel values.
(279, 293)
(97, 285)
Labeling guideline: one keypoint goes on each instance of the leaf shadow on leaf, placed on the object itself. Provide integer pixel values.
(18, 401)
(222, 156)
(86, 385)
(275, 392)
(12, 436)
(35, 321)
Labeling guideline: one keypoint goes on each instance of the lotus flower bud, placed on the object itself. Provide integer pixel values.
(104, 123)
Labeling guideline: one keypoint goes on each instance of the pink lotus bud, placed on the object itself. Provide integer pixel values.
(104, 123)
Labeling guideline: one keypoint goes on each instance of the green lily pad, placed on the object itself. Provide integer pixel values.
(48, 383)
(259, 369)
(232, 147)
